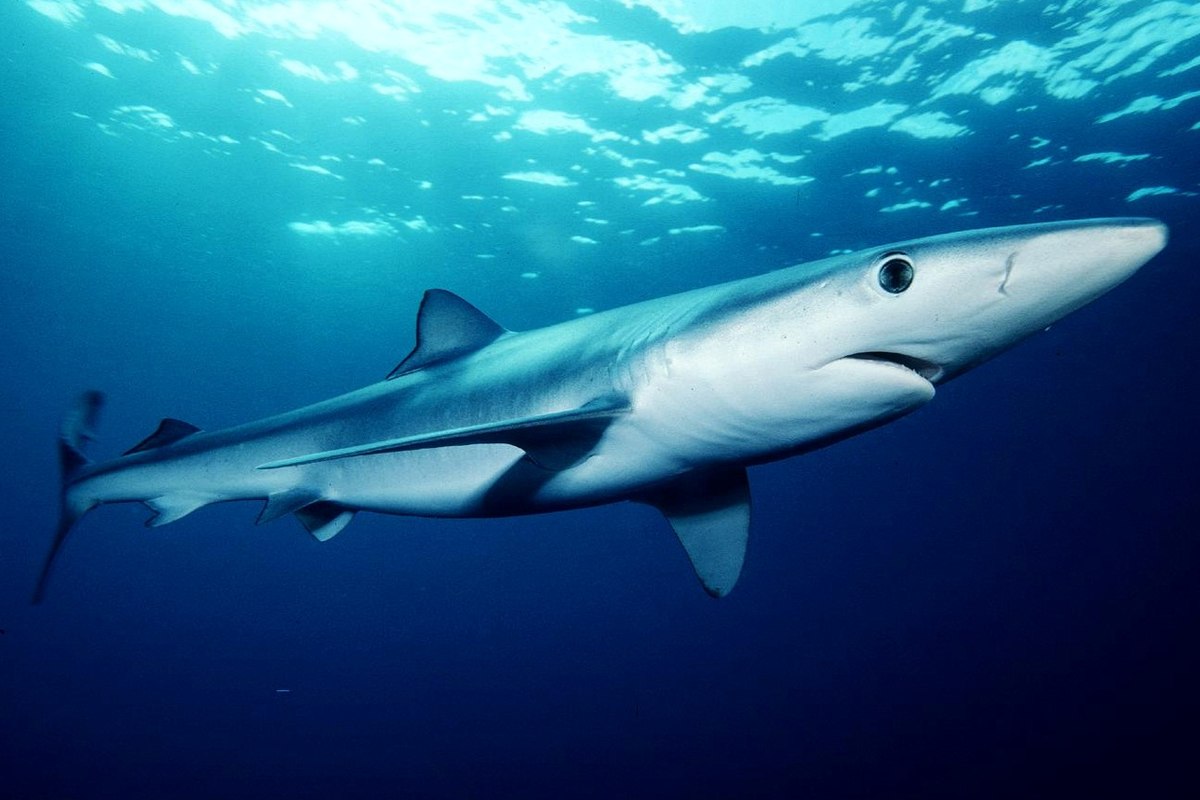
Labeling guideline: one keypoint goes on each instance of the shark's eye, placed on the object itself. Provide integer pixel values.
(896, 274)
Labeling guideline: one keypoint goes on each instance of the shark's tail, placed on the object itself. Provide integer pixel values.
(73, 437)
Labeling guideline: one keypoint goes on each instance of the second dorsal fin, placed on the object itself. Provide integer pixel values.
(168, 432)
(447, 327)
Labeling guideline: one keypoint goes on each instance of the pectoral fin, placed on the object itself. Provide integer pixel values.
(554, 440)
(710, 512)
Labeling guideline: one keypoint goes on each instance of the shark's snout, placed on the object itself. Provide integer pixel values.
(1061, 268)
(1132, 242)
(974, 295)
(1145, 232)
(1085, 259)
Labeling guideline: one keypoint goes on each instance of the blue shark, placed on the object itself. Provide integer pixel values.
(664, 402)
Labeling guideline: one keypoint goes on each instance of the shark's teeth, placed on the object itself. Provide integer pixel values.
(926, 369)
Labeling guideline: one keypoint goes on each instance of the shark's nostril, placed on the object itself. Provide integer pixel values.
(1008, 265)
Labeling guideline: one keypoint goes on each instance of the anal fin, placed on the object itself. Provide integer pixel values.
(171, 507)
(710, 513)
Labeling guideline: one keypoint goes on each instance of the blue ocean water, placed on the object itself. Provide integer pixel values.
(217, 210)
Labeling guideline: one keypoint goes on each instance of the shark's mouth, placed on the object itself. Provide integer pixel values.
(926, 369)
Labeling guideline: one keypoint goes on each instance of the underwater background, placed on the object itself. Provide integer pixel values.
(218, 210)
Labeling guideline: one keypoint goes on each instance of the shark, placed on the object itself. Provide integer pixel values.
(664, 402)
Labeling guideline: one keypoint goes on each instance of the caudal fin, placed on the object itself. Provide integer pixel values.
(76, 431)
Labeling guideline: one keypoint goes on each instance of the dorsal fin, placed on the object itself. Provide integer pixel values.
(168, 432)
(447, 327)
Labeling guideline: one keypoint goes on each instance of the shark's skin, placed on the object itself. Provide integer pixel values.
(664, 402)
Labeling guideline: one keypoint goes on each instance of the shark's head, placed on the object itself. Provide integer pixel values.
(799, 358)
(942, 305)
(822, 351)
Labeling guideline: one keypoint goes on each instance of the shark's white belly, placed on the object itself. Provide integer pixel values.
(492, 479)
(679, 422)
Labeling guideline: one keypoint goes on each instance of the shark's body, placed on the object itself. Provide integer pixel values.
(664, 402)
